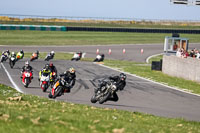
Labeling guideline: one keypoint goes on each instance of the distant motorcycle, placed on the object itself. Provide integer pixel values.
(77, 56)
(4, 58)
(34, 57)
(99, 58)
(58, 88)
(45, 82)
(104, 92)
(26, 78)
(12, 61)
(19, 56)
(48, 57)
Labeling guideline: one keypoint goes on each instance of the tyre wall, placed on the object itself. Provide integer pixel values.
(32, 27)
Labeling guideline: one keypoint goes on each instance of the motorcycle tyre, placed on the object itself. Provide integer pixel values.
(57, 93)
(104, 99)
(93, 99)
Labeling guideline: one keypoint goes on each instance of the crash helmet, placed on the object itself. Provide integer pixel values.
(52, 53)
(7, 51)
(26, 63)
(12, 53)
(46, 67)
(37, 52)
(122, 76)
(21, 51)
(71, 70)
(50, 64)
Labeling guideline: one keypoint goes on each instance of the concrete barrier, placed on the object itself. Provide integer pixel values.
(187, 68)
(32, 27)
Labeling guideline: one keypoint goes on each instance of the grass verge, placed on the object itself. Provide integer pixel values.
(21, 113)
(9, 37)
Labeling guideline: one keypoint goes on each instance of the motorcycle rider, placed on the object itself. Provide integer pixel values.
(13, 55)
(35, 55)
(6, 54)
(46, 70)
(50, 55)
(99, 58)
(119, 84)
(52, 67)
(27, 67)
(20, 54)
(69, 77)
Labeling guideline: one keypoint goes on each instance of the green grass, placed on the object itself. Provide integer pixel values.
(30, 114)
(9, 37)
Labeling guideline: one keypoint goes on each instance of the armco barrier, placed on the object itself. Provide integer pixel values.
(187, 68)
(32, 27)
(64, 28)
(133, 30)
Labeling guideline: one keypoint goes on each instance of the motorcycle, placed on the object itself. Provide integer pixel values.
(59, 88)
(104, 92)
(77, 56)
(4, 58)
(12, 61)
(19, 56)
(99, 58)
(34, 57)
(48, 57)
(26, 78)
(45, 82)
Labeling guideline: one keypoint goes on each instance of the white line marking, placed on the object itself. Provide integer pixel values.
(147, 60)
(11, 80)
(173, 88)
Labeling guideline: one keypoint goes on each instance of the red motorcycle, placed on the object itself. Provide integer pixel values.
(26, 78)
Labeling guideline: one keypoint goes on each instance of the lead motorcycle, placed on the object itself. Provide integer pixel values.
(59, 88)
(45, 81)
(12, 61)
(26, 77)
(105, 90)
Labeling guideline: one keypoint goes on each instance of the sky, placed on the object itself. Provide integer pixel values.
(136, 9)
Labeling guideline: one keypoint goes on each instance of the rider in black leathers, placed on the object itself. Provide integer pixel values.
(119, 83)
(52, 68)
(27, 67)
(70, 78)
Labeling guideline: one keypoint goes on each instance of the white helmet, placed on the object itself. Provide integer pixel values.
(26, 63)
(52, 52)
(12, 53)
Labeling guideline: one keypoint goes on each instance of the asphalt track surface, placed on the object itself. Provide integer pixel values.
(139, 94)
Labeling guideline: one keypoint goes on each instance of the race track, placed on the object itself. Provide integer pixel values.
(139, 94)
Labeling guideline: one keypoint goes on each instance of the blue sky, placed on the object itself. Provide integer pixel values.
(140, 9)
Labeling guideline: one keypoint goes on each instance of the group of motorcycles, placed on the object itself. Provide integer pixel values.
(12, 59)
(101, 94)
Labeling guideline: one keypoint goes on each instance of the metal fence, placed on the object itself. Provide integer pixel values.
(38, 18)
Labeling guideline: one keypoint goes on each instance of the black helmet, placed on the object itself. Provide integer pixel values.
(37, 52)
(21, 51)
(122, 76)
(46, 67)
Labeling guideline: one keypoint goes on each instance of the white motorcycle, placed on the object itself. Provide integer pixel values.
(45, 82)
